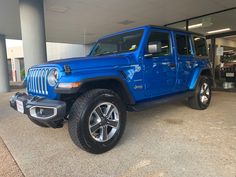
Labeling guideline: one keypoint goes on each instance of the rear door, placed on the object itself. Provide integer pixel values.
(159, 63)
(185, 61)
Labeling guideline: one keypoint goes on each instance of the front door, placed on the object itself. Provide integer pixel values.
(159, 63)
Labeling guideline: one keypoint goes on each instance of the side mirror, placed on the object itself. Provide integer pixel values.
(152, 48)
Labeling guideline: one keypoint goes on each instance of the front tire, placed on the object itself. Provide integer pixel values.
(202, 94)
(97, 120)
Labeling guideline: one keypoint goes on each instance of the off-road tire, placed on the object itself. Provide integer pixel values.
(78, 123)
(195, 100)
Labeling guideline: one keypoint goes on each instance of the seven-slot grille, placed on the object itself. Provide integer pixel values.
(37, 80)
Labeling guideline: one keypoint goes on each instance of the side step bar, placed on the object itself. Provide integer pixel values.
(159, 100)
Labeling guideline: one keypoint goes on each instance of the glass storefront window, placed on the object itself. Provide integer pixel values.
(221, 48)
(211, 24)
(180, 25)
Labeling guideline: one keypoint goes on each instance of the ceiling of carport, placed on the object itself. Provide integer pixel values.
(68, 20)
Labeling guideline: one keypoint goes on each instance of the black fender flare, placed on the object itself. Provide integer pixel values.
(129, 97)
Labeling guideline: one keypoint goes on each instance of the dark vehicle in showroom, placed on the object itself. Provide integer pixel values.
(226, 71)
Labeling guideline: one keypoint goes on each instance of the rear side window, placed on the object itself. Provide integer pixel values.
(162, 42)
(183, 44)
(200, 46)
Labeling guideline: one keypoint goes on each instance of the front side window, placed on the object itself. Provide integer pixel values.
(159, 44)
(200, 46)
(183, 44)
(121, 43)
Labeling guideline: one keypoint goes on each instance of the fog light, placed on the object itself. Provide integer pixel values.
(43, 112)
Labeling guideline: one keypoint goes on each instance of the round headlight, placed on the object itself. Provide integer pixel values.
(53, 77)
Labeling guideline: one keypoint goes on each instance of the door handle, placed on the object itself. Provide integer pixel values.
(188, 62)
(172, 65)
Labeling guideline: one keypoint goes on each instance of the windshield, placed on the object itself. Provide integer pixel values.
(126, 42)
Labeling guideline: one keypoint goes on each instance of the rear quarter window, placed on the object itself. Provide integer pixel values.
(183, 44)
(200, 46)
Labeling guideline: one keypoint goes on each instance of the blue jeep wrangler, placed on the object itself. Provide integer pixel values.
(127, 71)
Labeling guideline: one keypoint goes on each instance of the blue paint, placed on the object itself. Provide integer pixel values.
(146, 78)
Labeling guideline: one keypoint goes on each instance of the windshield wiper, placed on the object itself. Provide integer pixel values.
(106, 53)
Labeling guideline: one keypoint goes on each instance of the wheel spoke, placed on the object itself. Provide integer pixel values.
(104, 122)
(207, 95)
(112, 123)
(202, 99)
(99, 112)
(95, 127)
(109, 111)
(205, 90)
(204, 86)
(104, 133)
(202, 90)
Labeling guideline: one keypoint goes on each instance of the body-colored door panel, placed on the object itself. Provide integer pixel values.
(160, 71)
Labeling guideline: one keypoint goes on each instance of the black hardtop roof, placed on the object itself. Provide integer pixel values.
(154, 27)
(175, 29)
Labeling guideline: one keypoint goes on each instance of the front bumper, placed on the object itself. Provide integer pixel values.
(230, 76)
(50, 113)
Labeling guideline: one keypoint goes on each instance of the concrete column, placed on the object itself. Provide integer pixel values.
(33, 32)
(4, 78)
(17, 69)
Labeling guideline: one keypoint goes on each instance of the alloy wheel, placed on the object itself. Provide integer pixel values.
(204, 93)
(104, 122)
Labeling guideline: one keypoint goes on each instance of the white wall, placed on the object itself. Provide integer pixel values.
(54, 50)
(62, 50)
(225, 42)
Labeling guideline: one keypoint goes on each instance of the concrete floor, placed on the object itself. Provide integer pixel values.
(170, 140)
(8, 166)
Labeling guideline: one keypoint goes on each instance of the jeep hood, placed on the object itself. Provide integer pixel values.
(93, 62)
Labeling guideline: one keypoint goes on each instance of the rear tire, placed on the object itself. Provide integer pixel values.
(97, 120)
(202, 94)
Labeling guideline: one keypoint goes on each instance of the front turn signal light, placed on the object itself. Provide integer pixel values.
(69, 85)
